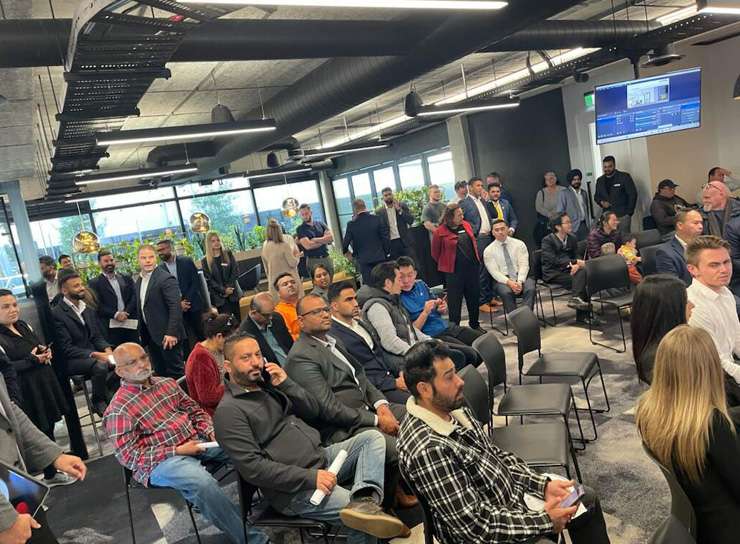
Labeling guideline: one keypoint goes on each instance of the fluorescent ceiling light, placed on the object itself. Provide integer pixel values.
(138, 174)
(76, 200)
(193, 132)
(276, 173)
(386, 4)
(428, 111)
(313, 153)
(674, 16)
(720, 7)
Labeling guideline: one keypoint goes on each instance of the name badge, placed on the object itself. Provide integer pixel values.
(224, 264)
(617, 185)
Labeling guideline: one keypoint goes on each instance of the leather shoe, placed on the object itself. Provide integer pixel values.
(367, 516)
(405, 501)
(486, 309)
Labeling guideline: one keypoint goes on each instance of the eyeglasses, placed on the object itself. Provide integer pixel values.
(317, 311)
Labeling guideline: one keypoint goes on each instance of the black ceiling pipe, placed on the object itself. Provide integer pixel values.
(164, 155)
(341, 83)
(40, 42)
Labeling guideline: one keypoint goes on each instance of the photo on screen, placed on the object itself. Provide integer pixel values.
(23, 491)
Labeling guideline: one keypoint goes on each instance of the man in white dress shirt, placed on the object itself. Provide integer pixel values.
(507, 260)
(713, 304)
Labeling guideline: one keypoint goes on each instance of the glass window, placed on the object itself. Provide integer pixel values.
(128, 199)
(148, 222)
(442, 173)
(10, 272)
(343, 201)
(411, 174)
(275, 202)
(384, 177)
(361, 187)
(54, 236)
(227, 184)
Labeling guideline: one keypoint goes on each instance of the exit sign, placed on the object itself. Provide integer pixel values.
(588, 101)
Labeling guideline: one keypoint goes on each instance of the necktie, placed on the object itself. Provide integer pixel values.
(510, 269)
(499, 211)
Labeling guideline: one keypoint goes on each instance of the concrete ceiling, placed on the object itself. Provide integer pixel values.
(27, 123)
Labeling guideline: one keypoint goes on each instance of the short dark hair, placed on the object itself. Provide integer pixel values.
(304, 207)
(165, 241)
(6, 292)
(385, 190)
(497, 221)
(281, 276)
(358, 204)
(47, 260)
(473, 180)
(494, 175)
(573, 173)
(406, 261)
(233, 340)
(335, 289)
(494, 184)
(609, 158)
(66, 275)
(315, 268)
(460, 184)
(381, 272)
(104, 253)
(557, 220)
(419, 363)
(221, 323)
(301, 302)
(63, 256)
(713, 171)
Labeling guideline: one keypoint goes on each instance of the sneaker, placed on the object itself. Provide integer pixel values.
(593, 321)
(366, 516)
(577, 303)
(60, 478)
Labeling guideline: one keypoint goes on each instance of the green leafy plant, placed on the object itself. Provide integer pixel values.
(415, 199)
(256, 237)
(342, 263)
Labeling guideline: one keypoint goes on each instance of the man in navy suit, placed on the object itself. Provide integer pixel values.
(500, 208)
(670, 257)
(116, 300)
(478, 215)
(369, 239)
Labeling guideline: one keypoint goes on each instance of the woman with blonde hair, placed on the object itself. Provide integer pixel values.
(280, 255)
(221, 273)
(684, 421)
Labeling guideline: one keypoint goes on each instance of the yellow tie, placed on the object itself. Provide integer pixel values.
(499, 211)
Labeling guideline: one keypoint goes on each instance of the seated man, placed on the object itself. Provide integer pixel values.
(157, 430)
(665, 206)
(670, 256)
(80, 343)
(363, 343)
(348, 402)
(507, 260)
(474, 489)
(382, 308)
(287, 290)
(427, 310)
(268, 327)
(260, 425)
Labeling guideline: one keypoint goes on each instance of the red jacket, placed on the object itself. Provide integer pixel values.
(205, 385)
(444, 247)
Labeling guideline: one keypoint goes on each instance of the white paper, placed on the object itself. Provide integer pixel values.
(208, 445)
(334, 468)
(538, 505)
(132, 324)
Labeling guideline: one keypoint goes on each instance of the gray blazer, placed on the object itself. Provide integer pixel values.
(344, 403)
(17, 433)
(569, 204)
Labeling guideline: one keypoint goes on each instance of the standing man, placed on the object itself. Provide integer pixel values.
(432, 213)
(507, 260)
(368, 236)
(495, 177)
(461, 191)
(397, 217)
(192, 303)
(160, 314)
(616, 192)
(722, 219)
(500, 208)
(670, 256)
(476, 213)
(574, 203)
(46, 294)
(665, 205)
(116, 300)
(66, 262)
(314, 237)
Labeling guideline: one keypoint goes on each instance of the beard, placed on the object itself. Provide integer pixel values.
(109, 269)
(78, 296)
(244, 378)
(576, 185)
(447, 404)
(143, 375)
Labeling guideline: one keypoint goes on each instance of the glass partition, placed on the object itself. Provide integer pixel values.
(147, 222)
(277, 201)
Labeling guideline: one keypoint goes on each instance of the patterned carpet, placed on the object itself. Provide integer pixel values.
(633, 494)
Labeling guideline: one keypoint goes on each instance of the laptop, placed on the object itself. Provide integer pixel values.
(25, 493)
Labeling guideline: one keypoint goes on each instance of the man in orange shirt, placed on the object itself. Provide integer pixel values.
(287, 290)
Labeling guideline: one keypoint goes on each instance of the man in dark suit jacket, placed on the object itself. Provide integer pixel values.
(369, 239)
(160, 314)
(397, 218)
(496, 202)
(670, 256)
(79, 342)
(188, 280)
(116, 300)
(41, 291)
(362, 342)
(268, 328)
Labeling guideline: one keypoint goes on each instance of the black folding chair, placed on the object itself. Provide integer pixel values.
(554, 290)
(608, 272)
(649, 261)
(647, 238)
(581, 365)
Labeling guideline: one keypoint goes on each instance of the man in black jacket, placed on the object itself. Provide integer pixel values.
(268, 327)
(616, 192)
(397, 218)
(116, 301)
(363, 343)
(259, 423)
(79, 342)
(46, 294)
(368, 236)
(160, 314)
(665, 205)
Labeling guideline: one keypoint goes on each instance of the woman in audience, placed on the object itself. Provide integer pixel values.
(38, 391)
(547, 204)
(321, 281)
(456, 253)
(606, 231)
(280, 255)
(221, 273)
(659, 305)
(684, 421)
(204, 369)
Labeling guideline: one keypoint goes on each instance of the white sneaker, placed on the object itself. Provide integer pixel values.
(60, 478)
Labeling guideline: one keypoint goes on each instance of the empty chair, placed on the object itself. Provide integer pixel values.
(606, 273)
(649, 264)
(647, 238)
(671, 531)
(554, 290)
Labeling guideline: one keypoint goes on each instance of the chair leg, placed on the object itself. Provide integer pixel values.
(91, 413)
(590, 410)
(506, 323)
(621, 327)
(583, 440)
(574, 458)
(192, 518)
(130, 515)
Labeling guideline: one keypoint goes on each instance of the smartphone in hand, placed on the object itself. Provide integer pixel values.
(574, 497)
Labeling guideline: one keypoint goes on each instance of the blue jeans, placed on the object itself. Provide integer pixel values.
(188, 476)
(364, 467)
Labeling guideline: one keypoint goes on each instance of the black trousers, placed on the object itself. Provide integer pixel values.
(399, 249)
(577, 285)
(464, 283)
(44, 534)
(366, 269)
(120, 336)
(461, 339)
(166, 362)
(589, 527)
(94, 370)
(486, 281)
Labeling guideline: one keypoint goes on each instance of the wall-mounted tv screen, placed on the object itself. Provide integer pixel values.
(647, 106)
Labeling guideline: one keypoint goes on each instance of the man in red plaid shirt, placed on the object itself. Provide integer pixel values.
(158, 430)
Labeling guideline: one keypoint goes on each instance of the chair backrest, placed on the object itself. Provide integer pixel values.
(527, 329)
(535, 269)
(494, 357)
(581, 249)
(647, 238)
(606, 272)
(183, 383)
(648, 223)
(671, 531)
(429, 532)
(681, 507)
(476, 394)
(649, 262)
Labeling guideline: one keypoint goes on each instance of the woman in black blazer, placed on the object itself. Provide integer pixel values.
(220, 270)
(684, 421)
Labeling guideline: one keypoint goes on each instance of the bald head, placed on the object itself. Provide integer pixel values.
(261, 309)
(715, 195)
(132, 363)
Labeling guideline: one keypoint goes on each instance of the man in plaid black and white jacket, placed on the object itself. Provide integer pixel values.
(474, 489)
